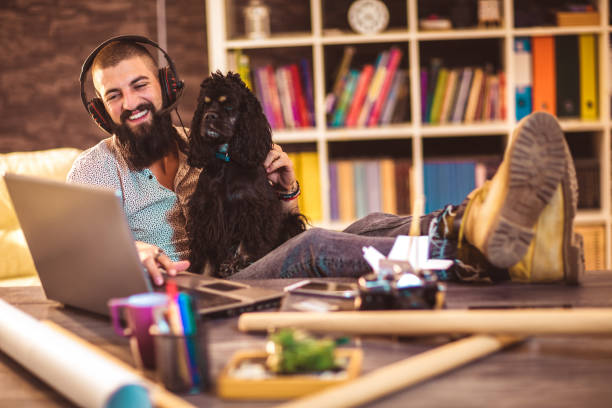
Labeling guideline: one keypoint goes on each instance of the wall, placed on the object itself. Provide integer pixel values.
(44, 43)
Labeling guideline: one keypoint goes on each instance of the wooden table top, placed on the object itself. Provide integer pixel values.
(558, 371)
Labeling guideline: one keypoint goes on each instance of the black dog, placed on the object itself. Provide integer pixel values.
(236, 216)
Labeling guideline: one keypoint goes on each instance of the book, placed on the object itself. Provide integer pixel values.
(402, 186)
(365, 77)
(275, 103)
(243, 68)
(373, 186)
(334, 209)
(291, 90)
(361, 191)
(449, 95)
(523, 76)
(395, 56)
(544, 82)
(464, 87)
(436, 105)
(394, 94)
(300, 100)
(308, 90)
(568, 76)
(310, 185)
(341, 74)
(285, 98)
(347, 94)
(263, 91)
(424, 88)
(346, 191)
(388, 186)
(432, 76)
(588, 76)
(374, 89)
(472, 102)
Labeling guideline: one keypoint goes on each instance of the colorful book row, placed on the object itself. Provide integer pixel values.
(285, 92)
(557, 75)
(360, 187)
(461, 95)
(306, 167)
(373, 95)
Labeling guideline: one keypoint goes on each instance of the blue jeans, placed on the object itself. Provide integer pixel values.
(319, 252)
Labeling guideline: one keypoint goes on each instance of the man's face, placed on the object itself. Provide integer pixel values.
(126, 89)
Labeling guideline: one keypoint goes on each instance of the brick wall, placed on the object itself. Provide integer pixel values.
(44, 43)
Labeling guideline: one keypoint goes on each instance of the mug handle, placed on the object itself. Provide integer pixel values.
(116, 305)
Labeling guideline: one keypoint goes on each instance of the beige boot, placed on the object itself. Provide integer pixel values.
(500, 218)
(555, 253)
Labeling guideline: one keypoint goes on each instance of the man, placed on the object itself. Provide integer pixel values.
(532, 196)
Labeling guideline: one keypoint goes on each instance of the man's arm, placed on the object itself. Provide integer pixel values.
(98, 167)
(282, 175)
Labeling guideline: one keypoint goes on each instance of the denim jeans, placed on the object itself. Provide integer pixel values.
(319, 252)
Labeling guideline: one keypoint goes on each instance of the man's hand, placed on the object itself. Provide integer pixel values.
(280, 169)
(153, 258)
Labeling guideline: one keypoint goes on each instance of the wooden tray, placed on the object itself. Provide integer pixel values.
(282, 386)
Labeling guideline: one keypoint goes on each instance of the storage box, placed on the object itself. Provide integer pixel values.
(583, 18)
(279, 387)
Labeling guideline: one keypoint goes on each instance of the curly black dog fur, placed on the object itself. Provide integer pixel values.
(236, 216)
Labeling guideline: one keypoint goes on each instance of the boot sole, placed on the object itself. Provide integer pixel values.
(537, 165)
(573, 247)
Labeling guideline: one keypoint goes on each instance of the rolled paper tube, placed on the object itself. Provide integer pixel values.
(73, 370)
(396, 376)
(433, 322)
(158, 394)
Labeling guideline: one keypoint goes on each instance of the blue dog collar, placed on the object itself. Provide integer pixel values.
(222, 153)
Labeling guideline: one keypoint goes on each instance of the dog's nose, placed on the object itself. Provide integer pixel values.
(211, 115)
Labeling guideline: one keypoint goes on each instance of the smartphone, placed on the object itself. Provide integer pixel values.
(324, 288)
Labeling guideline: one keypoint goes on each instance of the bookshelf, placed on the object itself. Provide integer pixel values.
(318, 38)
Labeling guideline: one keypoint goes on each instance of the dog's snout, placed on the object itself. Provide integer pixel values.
(211, 115)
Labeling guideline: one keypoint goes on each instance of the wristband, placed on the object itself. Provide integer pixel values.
(292, 195)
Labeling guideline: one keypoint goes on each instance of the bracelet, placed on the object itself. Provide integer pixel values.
(292, 195)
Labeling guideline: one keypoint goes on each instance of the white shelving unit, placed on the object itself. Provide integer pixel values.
(219, 44)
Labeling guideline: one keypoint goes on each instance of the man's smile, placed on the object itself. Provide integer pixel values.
(138, 116)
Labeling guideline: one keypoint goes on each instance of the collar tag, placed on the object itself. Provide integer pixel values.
(222, 153)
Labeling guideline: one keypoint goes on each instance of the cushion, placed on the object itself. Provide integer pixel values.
(53, 164)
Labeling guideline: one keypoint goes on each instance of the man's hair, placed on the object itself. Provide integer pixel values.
(117, 51)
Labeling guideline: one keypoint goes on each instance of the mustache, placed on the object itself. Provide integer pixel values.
(143, 106)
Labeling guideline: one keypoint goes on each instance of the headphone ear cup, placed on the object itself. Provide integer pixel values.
(100, 115)
(170, 85)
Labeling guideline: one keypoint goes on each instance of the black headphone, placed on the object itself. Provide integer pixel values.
(171, 85)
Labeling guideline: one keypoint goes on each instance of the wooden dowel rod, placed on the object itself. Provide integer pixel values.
(433, 322)
(160, 397)
(405, 373)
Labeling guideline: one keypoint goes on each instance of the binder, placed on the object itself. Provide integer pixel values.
(568, 76)
(544, 83)
(588, 76)
(523, 76)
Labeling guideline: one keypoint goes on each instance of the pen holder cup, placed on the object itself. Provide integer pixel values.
(182, 361)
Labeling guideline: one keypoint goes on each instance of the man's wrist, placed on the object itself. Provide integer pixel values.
(292, 193)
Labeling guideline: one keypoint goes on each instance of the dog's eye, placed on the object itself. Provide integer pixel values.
(206, 99)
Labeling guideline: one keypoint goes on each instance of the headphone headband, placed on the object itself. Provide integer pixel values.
(136, 39)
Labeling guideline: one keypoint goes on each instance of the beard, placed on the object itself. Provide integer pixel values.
(149, 142)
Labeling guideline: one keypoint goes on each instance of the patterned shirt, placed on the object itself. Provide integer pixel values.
(155, 214)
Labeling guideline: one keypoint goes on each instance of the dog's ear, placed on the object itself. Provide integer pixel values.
(253, 138)
(198, 150)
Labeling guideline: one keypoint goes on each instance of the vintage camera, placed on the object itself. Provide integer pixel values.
(398, 286)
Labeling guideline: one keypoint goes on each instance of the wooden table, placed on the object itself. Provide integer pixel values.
(541, 372)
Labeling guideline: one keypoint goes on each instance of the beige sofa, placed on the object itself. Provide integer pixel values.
(16, 265)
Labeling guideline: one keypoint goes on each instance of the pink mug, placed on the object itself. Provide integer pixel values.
(138, 312)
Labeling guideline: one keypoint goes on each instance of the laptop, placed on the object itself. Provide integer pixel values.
(84, 251)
